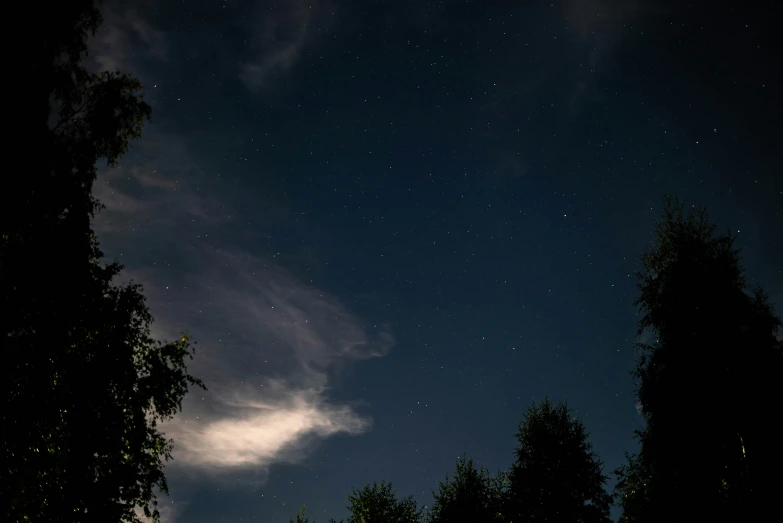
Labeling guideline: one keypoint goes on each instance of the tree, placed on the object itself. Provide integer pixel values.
(556, 475)
(301, 516)
(707, 386)
(472, 495)
(84, 383)
(379, 504)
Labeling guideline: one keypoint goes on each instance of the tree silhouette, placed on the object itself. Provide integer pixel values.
(556, 475)
(377, 503)
(84, 383)
(707, 386)
(301, 516)
(471, 495)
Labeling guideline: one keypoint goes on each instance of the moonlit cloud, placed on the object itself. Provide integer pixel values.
(268, 347)
(264, 431)
(268, 343)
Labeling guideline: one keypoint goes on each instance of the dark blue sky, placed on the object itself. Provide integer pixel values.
(391, 226)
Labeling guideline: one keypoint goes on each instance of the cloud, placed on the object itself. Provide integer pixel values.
(601, 26)
(269, 344)
(278, 38)
(155, 197)
(123, 37)
(265, 431)
(169, 511)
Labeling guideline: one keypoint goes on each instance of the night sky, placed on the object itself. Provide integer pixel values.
(391, 226)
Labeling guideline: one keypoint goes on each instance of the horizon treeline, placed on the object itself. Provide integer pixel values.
(707, 387)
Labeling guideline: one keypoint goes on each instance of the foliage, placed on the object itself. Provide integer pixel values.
(470, 495)
(631, 492)
(556, 475)
(377, 503)
(301, 517)
(706, 387)
(85, 384)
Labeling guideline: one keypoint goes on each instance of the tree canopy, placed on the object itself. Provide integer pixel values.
(85, 383)
(470, 495)
(377, 503)
(707, 385)
(556, 475)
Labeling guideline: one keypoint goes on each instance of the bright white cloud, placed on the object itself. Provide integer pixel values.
(278, 342)
(265, 431)
(269, 344)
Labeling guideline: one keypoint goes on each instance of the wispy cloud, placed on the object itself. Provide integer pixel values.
(269, 343)
(601, 25)
(278, 37)
(123, 37)
(169, 511)
(264, 431)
